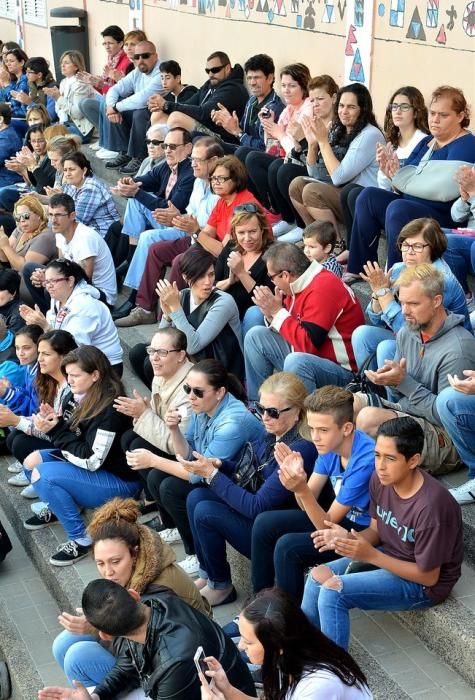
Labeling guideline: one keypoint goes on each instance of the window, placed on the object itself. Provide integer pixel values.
(8, 9)
(34, 12)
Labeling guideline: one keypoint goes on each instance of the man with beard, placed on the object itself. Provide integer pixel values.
(432, 344)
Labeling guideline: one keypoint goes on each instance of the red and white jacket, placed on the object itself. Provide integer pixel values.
(320, 316)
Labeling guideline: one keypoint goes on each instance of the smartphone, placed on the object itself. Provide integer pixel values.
(265, 113)
(200, 663)
(183, 411)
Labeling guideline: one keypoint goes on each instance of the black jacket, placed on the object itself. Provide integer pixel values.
(96, 443)
(43, 176)
(231, 93)
(163, 667)
(154, 183)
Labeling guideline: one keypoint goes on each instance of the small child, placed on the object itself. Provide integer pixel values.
(319, 241)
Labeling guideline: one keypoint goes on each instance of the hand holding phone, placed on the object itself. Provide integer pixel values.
(200, 663)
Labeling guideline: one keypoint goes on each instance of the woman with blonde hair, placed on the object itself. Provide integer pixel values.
(225, 511)
(32, 240)
(70, 93)
(133, 555)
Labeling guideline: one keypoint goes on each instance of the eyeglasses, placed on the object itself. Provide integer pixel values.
(214, 70)
(52, 282)
(153, 142)
(415, 247)
(198, 160)
(403, 107)
(199, 393)
(172, 146)
(23, 217)
(276, 274)
(220, 179)
(271, 412)
(249, 207)
(161, 352)
(56, 215)
(146, 54)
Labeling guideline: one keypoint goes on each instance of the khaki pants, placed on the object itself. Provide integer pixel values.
(319, 195)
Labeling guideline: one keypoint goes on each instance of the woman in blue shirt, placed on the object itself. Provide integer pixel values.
(10, 143)
(219, 427)
(377, 209)
(225, 512)
(17, 82)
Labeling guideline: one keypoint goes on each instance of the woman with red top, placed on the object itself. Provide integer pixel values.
(228, 181)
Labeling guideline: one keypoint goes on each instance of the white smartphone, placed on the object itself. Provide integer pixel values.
(183, 411)
(200, 663)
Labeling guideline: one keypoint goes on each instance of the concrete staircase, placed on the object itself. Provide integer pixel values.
(407, 655)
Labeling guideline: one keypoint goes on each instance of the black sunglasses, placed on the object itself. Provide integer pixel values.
(146, 54)
(250, 208)
(199, 393)
(271, 412)
(153, 142)
(214, 70)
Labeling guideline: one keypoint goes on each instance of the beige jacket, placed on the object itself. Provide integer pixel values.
(166, 395)
(72, 91)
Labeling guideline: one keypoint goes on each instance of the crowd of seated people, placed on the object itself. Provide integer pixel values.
(281, 421)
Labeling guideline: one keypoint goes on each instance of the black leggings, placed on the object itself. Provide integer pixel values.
(21, 445)
(348, 196)
(271, 178)
(141, 364)
(131, 441)
(170, 494)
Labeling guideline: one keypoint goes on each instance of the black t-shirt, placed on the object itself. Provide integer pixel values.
(425, 528)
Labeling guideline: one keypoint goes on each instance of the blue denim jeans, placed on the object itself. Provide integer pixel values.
(457, 413)
(328, 608)
(82, 658)
(365, 340)
(252, 317)
(137, 265)
(315, 371)
(65, 487)
(213, 523)
(460, 256)
(137, 219)
(264, 352)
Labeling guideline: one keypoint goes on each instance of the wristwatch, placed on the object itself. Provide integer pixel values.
(165, 106)
(196, 234)
(381, 292)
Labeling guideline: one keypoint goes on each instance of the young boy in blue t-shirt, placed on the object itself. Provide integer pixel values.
(412, 551)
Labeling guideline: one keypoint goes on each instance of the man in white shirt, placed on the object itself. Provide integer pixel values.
(79, 243)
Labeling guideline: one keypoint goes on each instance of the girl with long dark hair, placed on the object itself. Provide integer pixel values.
(298, 661)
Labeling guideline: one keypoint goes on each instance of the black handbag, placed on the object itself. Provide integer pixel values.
(5, 544)
(361, 383)
(247, 473)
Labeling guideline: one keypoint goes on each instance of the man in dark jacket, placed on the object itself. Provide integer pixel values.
(225, 86)
(160, 637)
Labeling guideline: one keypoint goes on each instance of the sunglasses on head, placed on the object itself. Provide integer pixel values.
(153, 142)
(250, 208)
(214, 70)
(145, 54)
(271, 412)
(199, 393)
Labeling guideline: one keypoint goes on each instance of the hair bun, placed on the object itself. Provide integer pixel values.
(117, 509)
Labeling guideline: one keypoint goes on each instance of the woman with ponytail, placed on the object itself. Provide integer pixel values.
(133, 555)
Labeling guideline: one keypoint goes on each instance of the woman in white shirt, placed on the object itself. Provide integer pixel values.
(298, 661)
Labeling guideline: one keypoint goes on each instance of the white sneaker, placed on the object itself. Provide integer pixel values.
(465, 493)
(94, 146)
(292, 236)
(38, 507)
(15, 468)
(19, 480)
(29, 492)
(105, 154)
(282, 227)
(190, 565)
(170, 535)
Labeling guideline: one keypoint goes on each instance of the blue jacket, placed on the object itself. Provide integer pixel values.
(23, 400)
(272, 494)
(10, 143)
(454, 299)
(18, 109)
(253, 134)
(152, 192)
(223, 434)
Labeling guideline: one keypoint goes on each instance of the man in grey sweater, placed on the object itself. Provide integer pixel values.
(432, 344)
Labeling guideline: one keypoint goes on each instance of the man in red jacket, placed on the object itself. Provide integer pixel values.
(310, 319)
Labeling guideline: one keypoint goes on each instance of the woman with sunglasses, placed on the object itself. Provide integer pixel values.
(32, 241)
(86, 466)
(219, 427)
(224, 511)
(298, 662)
(420, 241)
(75, 307)
(240, 267)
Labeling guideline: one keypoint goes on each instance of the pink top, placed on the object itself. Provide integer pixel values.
(289, 114)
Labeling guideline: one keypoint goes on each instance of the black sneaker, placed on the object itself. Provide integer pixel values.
(122, 159)
(69, 553)
(42, 519)
(132, 167)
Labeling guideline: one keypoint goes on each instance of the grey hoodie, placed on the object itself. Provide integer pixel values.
(449, 351)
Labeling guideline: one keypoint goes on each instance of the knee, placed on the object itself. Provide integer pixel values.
(255, 337)
(322, 574)
(74, 658)
(366, 420)
(32, 460)
(296, 188)
(294, 362)
(60, 646)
